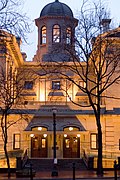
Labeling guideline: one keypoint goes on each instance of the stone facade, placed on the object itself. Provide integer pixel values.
(76, 130)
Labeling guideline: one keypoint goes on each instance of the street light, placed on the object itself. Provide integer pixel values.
(54, 171)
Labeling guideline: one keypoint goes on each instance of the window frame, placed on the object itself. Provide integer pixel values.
(119, 144)
(57, 35)
(56, 87)
(28, 86)
(16, 140)
(92, 146)
(82, 83)
(43, 35)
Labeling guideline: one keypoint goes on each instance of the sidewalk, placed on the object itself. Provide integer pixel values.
(64, 175)
(78, 175)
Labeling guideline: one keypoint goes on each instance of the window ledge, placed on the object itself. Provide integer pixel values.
(56, 93)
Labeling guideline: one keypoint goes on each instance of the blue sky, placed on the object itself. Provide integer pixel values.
(34, 7)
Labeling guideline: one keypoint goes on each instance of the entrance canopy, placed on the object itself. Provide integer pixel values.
(61, 123)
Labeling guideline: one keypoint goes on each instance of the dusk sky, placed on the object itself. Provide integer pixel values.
(34, 7)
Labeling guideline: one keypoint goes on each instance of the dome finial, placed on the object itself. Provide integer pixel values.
(56, 0)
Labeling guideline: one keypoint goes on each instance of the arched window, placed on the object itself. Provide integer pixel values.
(56, 33)
(43, 35)
(68, 35)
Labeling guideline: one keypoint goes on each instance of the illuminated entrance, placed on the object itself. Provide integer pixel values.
(68, 142)
(39, 144)
(71, 144)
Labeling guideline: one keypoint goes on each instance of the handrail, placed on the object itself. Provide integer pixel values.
(85, 158)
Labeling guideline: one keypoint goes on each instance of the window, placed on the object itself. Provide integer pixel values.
(68, 35)
(67, 143)
(16, 141)
(43, 143)
(56, 33)
(43, 35)
(119, 144)
(28, 85)
(93, 141)
(82, 84)
(56, 85)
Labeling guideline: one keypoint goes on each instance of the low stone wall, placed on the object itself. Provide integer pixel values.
(3, 163)
(107, 163)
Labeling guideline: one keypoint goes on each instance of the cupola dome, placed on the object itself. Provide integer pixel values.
(56, 9)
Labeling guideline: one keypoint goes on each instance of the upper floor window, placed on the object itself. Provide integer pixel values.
(56, 85)
(43, 35)
(68, 35)
(82, 83)
(28, 85)
(56, 33)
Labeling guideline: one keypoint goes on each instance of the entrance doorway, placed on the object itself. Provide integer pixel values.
(39, 146)
(71, 147)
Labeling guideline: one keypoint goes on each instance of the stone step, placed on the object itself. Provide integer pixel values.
(66, 164)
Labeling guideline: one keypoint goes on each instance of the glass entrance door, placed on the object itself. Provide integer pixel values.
(71, 147)
(39, 146)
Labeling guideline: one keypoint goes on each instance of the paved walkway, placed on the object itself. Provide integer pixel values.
(64, 175)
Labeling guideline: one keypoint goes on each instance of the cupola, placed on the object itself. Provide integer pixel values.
(56, 27)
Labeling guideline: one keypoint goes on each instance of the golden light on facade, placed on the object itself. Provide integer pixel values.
(42, 93)
(78, 135)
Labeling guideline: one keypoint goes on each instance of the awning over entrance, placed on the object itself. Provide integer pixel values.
(61, 123)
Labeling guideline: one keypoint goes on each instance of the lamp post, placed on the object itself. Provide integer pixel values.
(54, 170)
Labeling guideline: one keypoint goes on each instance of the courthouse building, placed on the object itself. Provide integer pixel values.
(43, 95)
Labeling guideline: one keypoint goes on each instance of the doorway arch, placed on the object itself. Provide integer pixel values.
(39, 142)
(71, 142)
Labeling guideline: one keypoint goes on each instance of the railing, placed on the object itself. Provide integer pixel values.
(116, 168)
(85, 158)
(38, 104)
(88, 160)
(47, 103)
